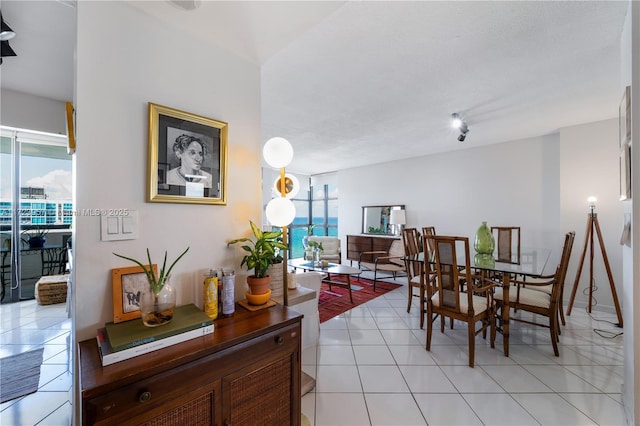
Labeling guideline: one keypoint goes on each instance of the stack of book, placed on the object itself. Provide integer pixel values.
(117, 342)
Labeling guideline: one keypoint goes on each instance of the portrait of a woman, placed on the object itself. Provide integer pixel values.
(190, 152)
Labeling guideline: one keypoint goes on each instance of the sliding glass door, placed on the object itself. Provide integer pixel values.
(35, 209)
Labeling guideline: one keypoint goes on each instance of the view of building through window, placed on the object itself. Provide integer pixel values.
(36, 200)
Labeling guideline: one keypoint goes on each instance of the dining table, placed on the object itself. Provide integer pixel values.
(530, 263)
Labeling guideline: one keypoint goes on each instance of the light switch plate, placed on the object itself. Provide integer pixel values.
(116, 227)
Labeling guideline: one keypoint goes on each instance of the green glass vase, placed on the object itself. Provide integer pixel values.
(484, 242)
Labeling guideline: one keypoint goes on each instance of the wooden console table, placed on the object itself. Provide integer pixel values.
(357, 244)
(247, 371)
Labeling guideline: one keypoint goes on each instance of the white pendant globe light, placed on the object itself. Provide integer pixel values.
(280, 211)
(277, 152)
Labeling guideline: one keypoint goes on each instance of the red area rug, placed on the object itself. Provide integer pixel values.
(336, 301)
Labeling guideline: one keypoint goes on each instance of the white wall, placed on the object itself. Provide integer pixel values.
(25, 111)
(589, 167)
(537, 184)
(630, 66)
(119, 72)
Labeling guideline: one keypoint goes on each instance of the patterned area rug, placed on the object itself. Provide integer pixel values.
(336, 301)
(20, 374)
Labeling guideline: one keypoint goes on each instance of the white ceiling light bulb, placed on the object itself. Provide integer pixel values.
(280, 212)
(456, 122)
(277, 152)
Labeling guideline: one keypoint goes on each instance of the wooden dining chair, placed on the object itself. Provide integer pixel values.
(507, 242)
(542, 303)
(446, 299)
(540, 284)
(414, 268)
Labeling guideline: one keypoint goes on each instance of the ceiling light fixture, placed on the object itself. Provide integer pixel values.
(457, 122)
(6, 33)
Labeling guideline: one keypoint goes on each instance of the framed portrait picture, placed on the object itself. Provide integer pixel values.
(624, 117)
(127, 287)
(187, 157)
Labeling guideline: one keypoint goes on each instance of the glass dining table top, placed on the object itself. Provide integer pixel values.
(532, 262)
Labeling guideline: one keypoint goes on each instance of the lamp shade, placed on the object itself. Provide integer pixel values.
(398, 217)
(280, 211)
(277, 152)
(291, 185)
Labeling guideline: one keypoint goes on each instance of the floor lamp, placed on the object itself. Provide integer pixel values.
(280, 211)
(592, 224)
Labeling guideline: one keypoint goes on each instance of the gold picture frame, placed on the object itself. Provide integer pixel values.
(127, 288)
(187, 161)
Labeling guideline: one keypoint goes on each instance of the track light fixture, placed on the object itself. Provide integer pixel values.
(6, 34)
(458, 123)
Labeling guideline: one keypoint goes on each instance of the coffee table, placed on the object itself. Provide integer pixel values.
(331, 268)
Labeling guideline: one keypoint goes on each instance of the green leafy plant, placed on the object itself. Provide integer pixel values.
(37, 231)
(316, 245)
(310, 229)
(261, 252)
(156, 282)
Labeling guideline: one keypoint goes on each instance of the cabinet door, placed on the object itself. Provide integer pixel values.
(265, 390)
(261, 394)
(356, 244)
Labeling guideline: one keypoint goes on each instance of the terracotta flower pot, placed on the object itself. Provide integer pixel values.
(258, 285)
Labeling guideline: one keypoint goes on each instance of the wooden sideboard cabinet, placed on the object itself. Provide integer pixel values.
(246, 373)
(357, 244)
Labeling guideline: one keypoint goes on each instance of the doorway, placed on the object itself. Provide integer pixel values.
(36, 209)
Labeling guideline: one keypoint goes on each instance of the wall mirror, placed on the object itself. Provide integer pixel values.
(375, 219)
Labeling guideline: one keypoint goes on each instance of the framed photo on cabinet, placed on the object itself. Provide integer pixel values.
(187, 160)
(128, 284)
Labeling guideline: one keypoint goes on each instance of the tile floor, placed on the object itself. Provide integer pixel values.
(25, 326)
(371, 368)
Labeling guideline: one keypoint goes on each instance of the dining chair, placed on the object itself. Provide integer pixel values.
(542, 303)
(414, 268)
(446, 299)
(508, 243)
(53, 261)
(548, 288)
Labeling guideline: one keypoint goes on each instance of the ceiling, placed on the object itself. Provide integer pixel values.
(359, 83)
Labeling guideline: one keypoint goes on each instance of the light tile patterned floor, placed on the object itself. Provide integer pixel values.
(372, 368)
(25, 326)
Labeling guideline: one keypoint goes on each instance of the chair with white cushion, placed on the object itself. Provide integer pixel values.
(542, 303)
(331, 251)
(445, 297)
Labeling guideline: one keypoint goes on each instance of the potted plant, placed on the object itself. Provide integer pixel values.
(261, 252)
(314, 250)
(158, 300)
(36, 236)
(305, 238)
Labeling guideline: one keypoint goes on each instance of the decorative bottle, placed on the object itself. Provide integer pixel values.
(210, 294)
(228, 294)
(484, 242)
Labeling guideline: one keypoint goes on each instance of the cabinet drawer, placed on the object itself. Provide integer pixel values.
(159, 391)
